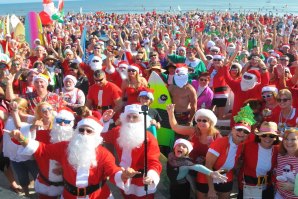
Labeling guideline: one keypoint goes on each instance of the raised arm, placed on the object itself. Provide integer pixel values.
(183, 130)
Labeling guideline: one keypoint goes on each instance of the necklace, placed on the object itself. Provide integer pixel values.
(282, 126)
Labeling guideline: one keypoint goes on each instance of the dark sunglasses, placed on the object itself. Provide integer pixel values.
(203, 120)
(203, 80)
(153, 56)
(282, 100)
(267, 96)
(82, 130)
(214, 51)
(268, 135)
(95, 60)
(216, 59)
(59, 121)
(131, 70)
(247, 77)
(139, 59)
(98, 80)
(45, 109)
(96, 48)
(243, 130)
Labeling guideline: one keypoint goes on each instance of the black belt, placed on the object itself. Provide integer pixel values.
(57, 184)
(181, 113)
(82, 191)
(257, 180)
(220, 89)
(104, 108)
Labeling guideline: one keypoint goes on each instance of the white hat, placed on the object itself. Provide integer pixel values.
(215, 48)
(210, 44)
(65, 113)
(218, 57)
(147, 94)
(68, 51)
(42, 77)
(71, 77)
(186, 142)
(133, 108)
(181, 69)
(270, 88)
(92, 122)
(206, 113)
(237, 65)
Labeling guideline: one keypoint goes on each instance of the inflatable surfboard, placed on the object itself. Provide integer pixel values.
(33, 29)
(165, 135)
(19, 33)
(83, 42)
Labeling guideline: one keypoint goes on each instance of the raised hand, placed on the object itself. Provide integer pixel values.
(171, 108)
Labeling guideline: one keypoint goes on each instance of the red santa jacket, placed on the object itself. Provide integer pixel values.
(136, 160)
(106, 166)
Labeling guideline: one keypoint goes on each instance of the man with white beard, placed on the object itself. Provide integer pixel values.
(183, 95)
(116, 74)
(128, 140)
(248, 87)
(49, 182)
(85, 163)
(72, 96)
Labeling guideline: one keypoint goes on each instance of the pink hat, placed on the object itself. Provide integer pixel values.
(92, 122)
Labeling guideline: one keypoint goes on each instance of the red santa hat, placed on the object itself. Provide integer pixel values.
(286, 46)
(243, 125)
(135, 67)
(270, 88)
(147, 93)
(185, 142)
(254, 73)
(206, 113)
(181, 69)
(123, 64)
(92, 122)
(101, 42)
(65, 113)
(71, 77)
(42, 77)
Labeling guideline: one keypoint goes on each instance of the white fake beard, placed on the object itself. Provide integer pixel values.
(123, 74)
(82, 150)
(61, 133)
(95, 66)
(247, 84)
(181, 80)
(131, 134)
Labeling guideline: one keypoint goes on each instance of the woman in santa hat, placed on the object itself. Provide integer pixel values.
(259, 160)
(269, 94)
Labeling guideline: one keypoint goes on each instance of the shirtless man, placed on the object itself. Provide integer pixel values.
(183, 96)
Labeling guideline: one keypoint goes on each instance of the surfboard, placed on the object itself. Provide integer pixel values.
(83, 42)
(14, 21)
(19, 32)
(165, 135)
(33, 29)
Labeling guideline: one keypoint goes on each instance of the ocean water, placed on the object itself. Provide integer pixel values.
(275, 7)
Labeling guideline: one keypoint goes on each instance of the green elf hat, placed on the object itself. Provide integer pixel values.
(245, 115)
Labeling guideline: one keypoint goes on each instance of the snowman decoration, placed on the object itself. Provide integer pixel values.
(288, 174)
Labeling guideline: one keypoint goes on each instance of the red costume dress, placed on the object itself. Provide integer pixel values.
(78, 180)
(135, 159)
(133, 94)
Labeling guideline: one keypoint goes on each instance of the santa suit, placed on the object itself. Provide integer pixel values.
(114, 76)
(135, 159)
(254, 93)
(74, 98)
(88, 71)
(80, 178)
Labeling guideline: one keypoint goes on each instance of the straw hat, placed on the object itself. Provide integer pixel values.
(267, 128)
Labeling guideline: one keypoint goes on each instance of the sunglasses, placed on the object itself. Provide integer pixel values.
(16, 64)
(82, 130)
(247, 77)
(282, 100)
(95, 60)
(267, 96)
(214, 51)
(203, 80)
(45, 109)
(243, 130)
(286, 170)
(203, 120)
(139, 59)
(59, 121)
(216, 59)
(97, 48)
(153, 56)
(131, 70)
(98, 80)
(268, 135)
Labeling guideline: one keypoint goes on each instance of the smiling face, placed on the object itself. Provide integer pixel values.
(267, 140)
(203, 123)
(239, 135)
(290, 143)
(180, 150)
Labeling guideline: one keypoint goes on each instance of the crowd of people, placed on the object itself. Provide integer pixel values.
(72, 117)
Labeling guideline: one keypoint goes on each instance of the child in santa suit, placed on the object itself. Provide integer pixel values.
(178, 166)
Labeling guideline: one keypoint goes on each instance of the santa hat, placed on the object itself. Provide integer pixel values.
(286, 46)
(215, 48)
(134, 66)
(92, 122)
(123, 64)
(181, 69)
(218, 57)
(206, 113)
(210, 44)
(65, 113)
(68, 51)
(237, 65)
(133, 108)
(71, 77)
(182, 48)
(147, 93)
(243, 125)
(270, 88)
(185, 142)
(255, 73)
(42, 77)
(101, 42)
